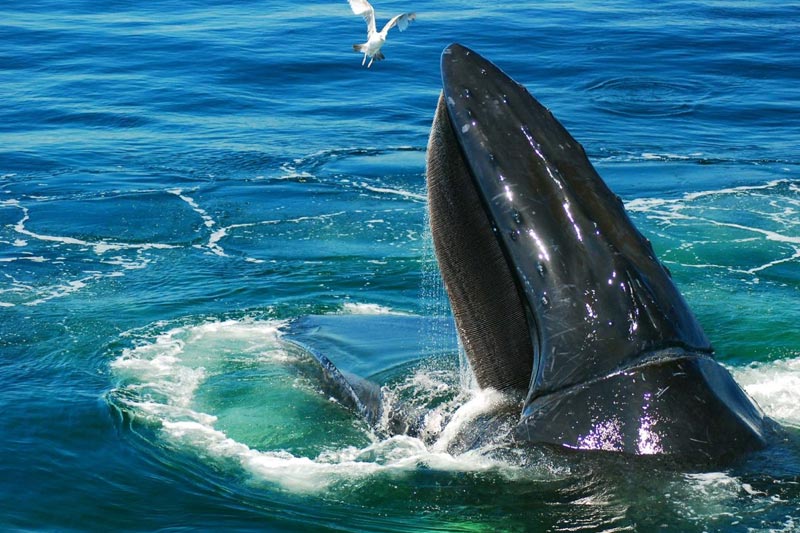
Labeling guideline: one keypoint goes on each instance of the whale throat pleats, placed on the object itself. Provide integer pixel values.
(486, 303)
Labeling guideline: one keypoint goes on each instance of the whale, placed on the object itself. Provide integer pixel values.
(558, 300)
(555, 292)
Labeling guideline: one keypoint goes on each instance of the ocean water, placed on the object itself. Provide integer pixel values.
(186, 186)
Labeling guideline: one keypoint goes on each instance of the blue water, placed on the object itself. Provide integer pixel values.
(184, 185)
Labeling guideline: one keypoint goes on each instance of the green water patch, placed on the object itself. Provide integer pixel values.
(271, 405)
(233, 380)
(734, 254)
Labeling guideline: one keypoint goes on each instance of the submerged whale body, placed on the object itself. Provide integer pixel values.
(558, 299)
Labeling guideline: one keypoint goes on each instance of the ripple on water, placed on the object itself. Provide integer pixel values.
(630, 96)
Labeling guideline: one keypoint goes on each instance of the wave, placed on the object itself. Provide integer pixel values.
(167, 379)
(162, 381)
(776, 388)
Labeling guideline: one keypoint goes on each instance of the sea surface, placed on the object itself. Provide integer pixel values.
(186, 186)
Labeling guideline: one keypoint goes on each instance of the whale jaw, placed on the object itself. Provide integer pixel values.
(555, 293)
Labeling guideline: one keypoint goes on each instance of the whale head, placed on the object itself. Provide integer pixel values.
(556, 295)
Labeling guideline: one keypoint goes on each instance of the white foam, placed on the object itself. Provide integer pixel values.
(99, 247)
(651, 156)
(706, 498)
(702, 495)
(734, 190)
(215, 237)
(218, 235)
(61, 290)
(208, 221)
(775, 262)
(399, 454)
(770, 235)
(126, 264)
(31, 258)
(645, 204)
(41, 294)
(355, 308)
(775, 386)
(396, 192)
(483, 401)
(778, 211)
(162, 376)
(161, 366)
(16, 287)
(294, 175)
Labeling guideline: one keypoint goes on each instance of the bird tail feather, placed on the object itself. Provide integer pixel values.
(379, 56)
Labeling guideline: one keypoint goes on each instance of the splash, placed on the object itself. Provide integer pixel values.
(167, 381)
(167, 378)
(436, 304)
(775, 386)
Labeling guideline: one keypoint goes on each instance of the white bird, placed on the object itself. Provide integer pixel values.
(376, 39)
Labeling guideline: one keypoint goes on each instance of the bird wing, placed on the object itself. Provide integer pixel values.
(363, 8)
(401, 21)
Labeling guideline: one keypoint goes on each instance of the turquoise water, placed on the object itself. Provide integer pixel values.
(184, 186)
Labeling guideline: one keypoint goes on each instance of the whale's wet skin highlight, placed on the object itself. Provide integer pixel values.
(555, 293)
(186, 190)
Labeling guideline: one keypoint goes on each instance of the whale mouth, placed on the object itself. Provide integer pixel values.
(550, 282)
(555, 293)
(489, 308)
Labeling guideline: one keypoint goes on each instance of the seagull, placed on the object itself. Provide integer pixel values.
(376, 39)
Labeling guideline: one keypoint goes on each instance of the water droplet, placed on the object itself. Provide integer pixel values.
(541, 269)
(516, 216)
(465, 128)
(483, 71)
(466, 93)
(545, 300)
(514, 234)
